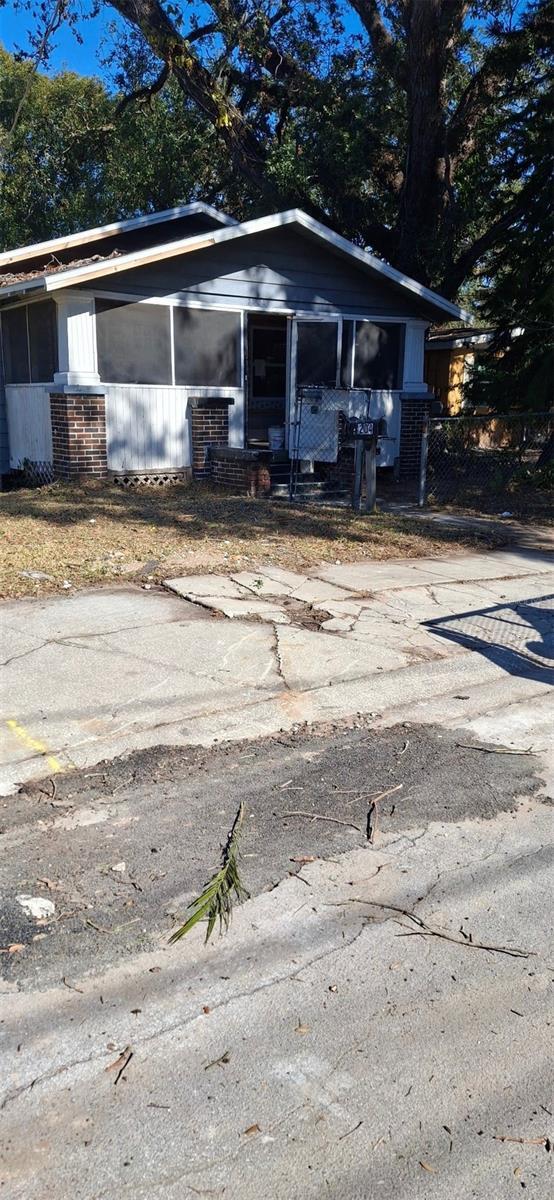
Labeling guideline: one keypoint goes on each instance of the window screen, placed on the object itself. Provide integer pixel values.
(43, 341)
(207, 348)
(376, 355)
(316, 361)
(133, 341)
(347, 350)
(15, 345)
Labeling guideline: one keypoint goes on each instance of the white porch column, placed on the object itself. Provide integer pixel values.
(76, 340)
(414, 346)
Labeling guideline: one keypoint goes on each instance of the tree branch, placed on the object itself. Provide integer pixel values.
(144, 94)
(464, 264)
(383, 44)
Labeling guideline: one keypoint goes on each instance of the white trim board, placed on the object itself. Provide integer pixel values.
(294, 217)
(104, 231)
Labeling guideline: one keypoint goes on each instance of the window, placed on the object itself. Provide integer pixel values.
(346, 353)
(376, 355)
(316, 360)
(207, 348)
(43, 341)
(133, 342)
(30, 343)
(15, 345)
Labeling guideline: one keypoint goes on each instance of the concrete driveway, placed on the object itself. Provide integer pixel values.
(376, 1022)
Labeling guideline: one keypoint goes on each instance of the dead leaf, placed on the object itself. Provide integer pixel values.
(304, 858)
(120, 1063)
(251, 1129)
(14, 948)
(206, 1008)
(427, 1167)
(302, 1028)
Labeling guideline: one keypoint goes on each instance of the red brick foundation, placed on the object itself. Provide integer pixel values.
(414, 409)
(209, 427)
(239, 472)
(78, 435)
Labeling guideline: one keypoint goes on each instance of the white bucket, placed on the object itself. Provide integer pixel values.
(276, 437)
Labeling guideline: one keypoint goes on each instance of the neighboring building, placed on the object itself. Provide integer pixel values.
(449, 357)
(136, 348)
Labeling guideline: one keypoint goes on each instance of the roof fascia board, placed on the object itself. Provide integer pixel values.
(257, 225)
(376, 264)
(103, 231)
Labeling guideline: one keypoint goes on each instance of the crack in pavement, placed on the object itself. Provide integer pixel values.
(187, 1021)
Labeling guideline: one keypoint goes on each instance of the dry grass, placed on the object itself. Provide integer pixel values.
(99, 533)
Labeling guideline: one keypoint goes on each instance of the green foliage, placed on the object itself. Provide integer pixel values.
(516, 295)
(225, 888)
(71, 162)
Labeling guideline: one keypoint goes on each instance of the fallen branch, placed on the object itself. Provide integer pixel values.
(320, 817)
(425, 930)
(216, 901)
(495, 749)
(539, 1141)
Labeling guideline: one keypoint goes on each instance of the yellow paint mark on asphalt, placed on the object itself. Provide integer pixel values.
(33, 744)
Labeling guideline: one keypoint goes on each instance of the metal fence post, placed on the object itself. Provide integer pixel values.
(358, 473)
(423, 456)
(371, 474)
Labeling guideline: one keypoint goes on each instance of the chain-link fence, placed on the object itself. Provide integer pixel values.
(490, 463)
(320, 432)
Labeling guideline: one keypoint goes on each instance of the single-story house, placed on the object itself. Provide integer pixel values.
(450, 356)
(175, 344)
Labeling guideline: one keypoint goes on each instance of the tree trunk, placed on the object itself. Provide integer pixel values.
(425, 195)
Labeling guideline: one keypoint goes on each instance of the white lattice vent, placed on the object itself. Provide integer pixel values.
(154, 479)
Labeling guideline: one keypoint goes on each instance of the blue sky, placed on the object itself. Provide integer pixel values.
(66, 49)
(67, 52)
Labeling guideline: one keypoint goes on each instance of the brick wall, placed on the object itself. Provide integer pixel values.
(209, 427)
(78, 434)
(241, 475)
(414, 409)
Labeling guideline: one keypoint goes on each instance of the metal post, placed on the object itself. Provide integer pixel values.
(370, 474)
(424, 453)
(358, 471)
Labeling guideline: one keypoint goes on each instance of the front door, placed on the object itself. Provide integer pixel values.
(267, 377)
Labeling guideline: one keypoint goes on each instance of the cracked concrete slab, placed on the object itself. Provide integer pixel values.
(314, 591)
(91, 695)
(244, 608)
(261, 584)
(309, 661)
(97, 674)
(193, 587)
(373, 577)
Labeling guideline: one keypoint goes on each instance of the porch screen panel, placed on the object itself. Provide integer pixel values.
(15, 346)
(347, 350)
(377, 355)
(133, 342)
(316, 361)
(207, 348)
(43, 341)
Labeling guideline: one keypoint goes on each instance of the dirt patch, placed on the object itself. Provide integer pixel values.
(122, 848)
(63, 536)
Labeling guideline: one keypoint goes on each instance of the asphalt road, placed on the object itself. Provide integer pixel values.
(376, 1023)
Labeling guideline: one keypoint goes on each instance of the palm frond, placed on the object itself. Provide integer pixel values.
(223, 890)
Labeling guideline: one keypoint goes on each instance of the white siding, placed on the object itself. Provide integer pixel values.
(29, 425)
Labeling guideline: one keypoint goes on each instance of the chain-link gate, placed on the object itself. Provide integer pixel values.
(320, 429)
(488, 463)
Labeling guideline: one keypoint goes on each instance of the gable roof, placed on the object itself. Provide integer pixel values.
(69, 240)
(72, 275)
